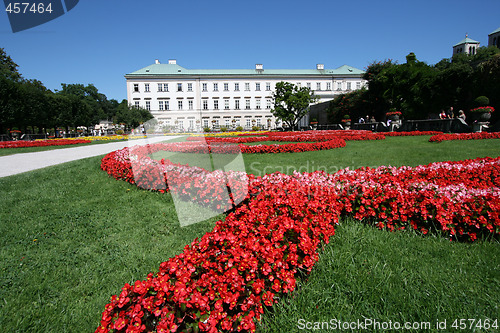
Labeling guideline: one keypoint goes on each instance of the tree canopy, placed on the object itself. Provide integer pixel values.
(291, 102)
(420, 90)
(29, 104)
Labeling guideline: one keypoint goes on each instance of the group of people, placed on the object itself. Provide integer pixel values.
(367, 119)
(450, 115)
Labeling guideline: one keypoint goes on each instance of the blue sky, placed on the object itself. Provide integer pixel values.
(100, 41)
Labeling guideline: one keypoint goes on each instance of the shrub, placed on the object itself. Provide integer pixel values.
(482, 101)
(239, 128)
(206, 129)
(223, 129)
(119, 132)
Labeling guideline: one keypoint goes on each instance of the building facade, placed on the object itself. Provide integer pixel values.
(467, 46)
(494, 38)
(189, 100)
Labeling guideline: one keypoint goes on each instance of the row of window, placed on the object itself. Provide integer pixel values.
(163, 87)
(165, 105)
(217, 123)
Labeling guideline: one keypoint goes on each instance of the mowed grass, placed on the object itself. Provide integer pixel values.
(70, 237)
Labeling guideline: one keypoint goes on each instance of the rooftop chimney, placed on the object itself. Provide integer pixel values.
(157, 61)
(259, 67)
(172, 62)
(320, 66)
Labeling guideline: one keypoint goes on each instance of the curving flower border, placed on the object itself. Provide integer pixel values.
(464, 136)
(222, 281)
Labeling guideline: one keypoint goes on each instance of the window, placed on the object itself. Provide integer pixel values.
(318, 85)
(205, 104)
(299, 84)
(226, 104)
(268, 104)
(248, 123)
(190, 104)
(179, 105)
(308, 85)
(148, 105)
(160, 87)
(181, 124)
(257, 104)
(247, 86)
(191, 124)
(358, 85)
(257, 87)
(204, 87)
(167, 105)
(226, 123)
(258, 121)
(146, 87)
(348, 85)
(165, 87)
(205, 122)
(237, 104)
(136, 104)
(339, 85)
(160, 105)
(190, 87)
(136, 87)
(179, 86)
(216, 104)
(268, 86)
(226, 86)
(216, 87)
(328, 86)
(247, 104)
(236, 87)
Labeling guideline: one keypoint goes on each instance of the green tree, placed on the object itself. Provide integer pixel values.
(130, 115)
(33, 106)
(354, 104)
(291, 103)
(8, 68)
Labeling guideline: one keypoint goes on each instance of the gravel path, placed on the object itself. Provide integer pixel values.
(19, 163)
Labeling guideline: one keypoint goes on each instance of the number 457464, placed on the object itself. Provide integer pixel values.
(26, 7)
(471, 324)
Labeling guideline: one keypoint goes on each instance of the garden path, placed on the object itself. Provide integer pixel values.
(19, 163)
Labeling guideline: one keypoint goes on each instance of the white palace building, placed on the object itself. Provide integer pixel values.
(192, 99)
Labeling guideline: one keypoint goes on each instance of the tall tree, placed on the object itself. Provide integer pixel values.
(130, 115)
(8, 68)
(291, 103)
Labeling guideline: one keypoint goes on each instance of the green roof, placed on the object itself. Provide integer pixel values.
(494, 32)
(174, 69)
(466, 40)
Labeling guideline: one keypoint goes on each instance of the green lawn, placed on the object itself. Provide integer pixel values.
(71, 237)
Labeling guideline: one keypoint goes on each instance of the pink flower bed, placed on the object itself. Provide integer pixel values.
(223, 281)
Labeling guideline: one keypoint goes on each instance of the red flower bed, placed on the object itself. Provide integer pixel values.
(311, 136)
(465, 136)
(222, 281)
(40, 143)
(306, 141)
